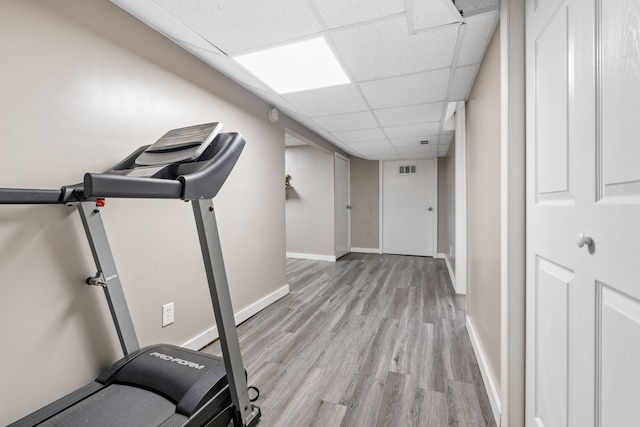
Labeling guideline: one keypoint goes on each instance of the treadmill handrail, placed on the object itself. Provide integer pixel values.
(18, 196)
(100, 185)
(32, 196)
(198, 179)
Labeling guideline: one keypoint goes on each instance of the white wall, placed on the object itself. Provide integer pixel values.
(484, 209)
(310, 202)
(447, 207)
(82, 84)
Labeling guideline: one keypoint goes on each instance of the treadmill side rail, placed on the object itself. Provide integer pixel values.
(246, 413)
(97, 236)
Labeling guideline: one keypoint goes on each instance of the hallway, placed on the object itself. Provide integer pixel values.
(371, 340)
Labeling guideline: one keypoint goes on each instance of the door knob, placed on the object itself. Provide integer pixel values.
(430, 209)
(583, 239)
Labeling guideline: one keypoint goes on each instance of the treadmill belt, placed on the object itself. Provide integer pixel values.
(116, 406)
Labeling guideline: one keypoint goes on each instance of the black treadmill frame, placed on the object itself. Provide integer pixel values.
(198, 181)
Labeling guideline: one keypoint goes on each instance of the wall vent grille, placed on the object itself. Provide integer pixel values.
(404, 170)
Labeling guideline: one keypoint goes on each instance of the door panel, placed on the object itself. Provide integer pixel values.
(553, 191)
(583, 86)
(619, 94)
(619, 347)
(341, 203)
(552, 142)
(552, 330)
(614, 218)
(408, 226)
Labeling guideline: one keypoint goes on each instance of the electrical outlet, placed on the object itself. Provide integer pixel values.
(167, 314)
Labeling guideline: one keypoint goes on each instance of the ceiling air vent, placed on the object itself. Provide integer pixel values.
(425, 142)
(407, 169)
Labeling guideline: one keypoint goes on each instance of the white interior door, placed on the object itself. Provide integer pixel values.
(341, 205)
(409, 207)
(583, 186)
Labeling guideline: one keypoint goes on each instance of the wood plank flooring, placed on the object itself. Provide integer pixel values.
(370, 340)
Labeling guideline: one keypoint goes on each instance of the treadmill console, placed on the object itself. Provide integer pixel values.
(180, 145)
(187, 163)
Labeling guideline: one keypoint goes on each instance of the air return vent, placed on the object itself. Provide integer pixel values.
(404, 170)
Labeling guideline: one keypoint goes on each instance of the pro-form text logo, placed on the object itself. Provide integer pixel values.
(176, 360)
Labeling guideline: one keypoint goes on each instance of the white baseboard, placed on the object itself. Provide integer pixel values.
(452, 275)
(210, 335)
(489, 383)
(366, 250)
(314, 257)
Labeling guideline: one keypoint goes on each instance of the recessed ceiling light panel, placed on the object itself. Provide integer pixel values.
(296, 67)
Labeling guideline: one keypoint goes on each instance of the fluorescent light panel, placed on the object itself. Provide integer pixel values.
(296, 67)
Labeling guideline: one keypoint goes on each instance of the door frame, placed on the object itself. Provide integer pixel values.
(460, 273)
(513, 213)
(335, 206)
(381, 202)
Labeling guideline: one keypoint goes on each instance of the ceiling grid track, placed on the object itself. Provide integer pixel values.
(454, 65)
(406, 61)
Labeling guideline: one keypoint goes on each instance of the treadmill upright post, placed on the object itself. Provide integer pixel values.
(97, 236)
(223, 311)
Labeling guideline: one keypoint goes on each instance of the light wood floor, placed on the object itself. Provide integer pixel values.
(370, 340)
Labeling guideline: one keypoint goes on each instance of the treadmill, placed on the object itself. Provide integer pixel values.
(160, 385)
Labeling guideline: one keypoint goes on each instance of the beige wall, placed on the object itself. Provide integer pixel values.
(82, 84)
(365, 203)
(310, 201)
(447, 206)
(483, 204)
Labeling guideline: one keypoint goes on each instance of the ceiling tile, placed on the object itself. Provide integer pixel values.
(472, 5)
(338, 13)
(360, 135)
(418, 88)
(385, 158)
(350, 121)
(378, 151)
(412, 131)
(223, 63)
(446, 138)
(385, 48)
(449, 124)
(463, 78)
(423, 14)
(419, 155)
(401, 61)
(410, 115)
(444, 149)
(228, 25)
(414, 142)
(328, 101)
(417, 149)
(477, 35)
(370, 145)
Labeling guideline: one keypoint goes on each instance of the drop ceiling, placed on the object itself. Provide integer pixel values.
(408, 61)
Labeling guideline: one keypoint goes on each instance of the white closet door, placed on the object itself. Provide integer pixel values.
(409, 207)
(583, 213)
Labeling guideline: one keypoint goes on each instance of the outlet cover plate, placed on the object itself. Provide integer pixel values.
(167, 314)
